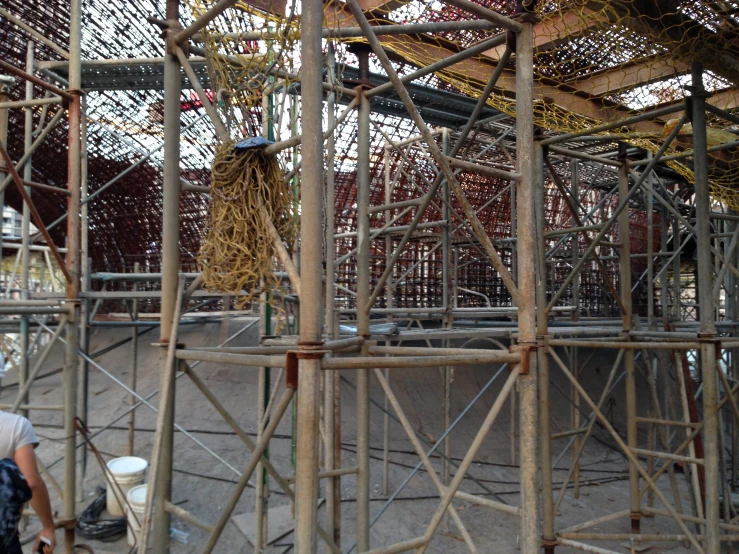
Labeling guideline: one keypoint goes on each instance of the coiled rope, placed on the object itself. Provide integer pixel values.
(238, 254)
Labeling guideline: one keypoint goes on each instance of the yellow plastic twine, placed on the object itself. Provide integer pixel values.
(238, 254)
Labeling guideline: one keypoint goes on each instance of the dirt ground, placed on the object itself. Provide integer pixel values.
(202, 483)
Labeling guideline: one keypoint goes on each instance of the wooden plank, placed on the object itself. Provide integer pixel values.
(558, 29)
(618, 79)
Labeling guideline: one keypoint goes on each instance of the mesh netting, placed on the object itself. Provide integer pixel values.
(594, 61)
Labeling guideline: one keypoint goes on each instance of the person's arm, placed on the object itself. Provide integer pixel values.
(25, 458)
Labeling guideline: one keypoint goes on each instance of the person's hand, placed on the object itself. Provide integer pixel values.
(47, 534)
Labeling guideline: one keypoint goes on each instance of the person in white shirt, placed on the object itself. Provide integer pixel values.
(17, 443)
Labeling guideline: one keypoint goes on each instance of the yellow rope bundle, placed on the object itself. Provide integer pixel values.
(237, 256)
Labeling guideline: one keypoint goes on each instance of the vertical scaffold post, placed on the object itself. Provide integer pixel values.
(26, 225)
(311, 270)
(390, 303)
(529, 409)
(542, 329)
(446, 413)
(705, 300)
(363, 295)
(73, 261)
(85, 268)
(332, 384)
(574, 351)
(624, 237)
(6, 84)
(162, 481)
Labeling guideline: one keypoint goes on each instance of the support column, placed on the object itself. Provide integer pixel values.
(134, 367)
(332, 387)
(71, 362)
(731, 312)
(363, 294)
(85, 269)
(311, 270)
(446, 413)
(6, 84)
(389, 303)
(707, 326)
(529, 412)
(26, 225)
(162, 481)
(624, 237)
(542, 329)
(574, 351)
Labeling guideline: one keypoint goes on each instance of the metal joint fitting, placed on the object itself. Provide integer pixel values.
(636, 522)
(548, 545)
(510, 40)
(310, 345)
(526, 17)
(696, 92)
(359, 91)
(170, 35)
(165, 344)
(72, 305)
(524, 348)
(292, 364)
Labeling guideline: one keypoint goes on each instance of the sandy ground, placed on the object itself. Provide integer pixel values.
(202, 483)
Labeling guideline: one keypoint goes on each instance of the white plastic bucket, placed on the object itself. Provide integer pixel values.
(128, 472)
(137, 502)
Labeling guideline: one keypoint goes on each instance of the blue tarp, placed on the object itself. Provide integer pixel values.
(252, 142)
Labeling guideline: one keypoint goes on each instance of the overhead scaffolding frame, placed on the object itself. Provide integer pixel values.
(533, 296)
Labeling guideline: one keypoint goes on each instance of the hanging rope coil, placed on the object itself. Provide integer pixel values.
(239, 251)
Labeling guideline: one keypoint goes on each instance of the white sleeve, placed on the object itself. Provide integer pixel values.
(25, 435)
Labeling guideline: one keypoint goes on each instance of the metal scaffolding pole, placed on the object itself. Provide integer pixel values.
(71, 363)
(85, 269)
(527, 380)
(162, 480)
(332, 390)
(311, 271)
(542, 329)
(624, 236)
(26, 224)
(705, 300)
(363, 309)
(6, 84)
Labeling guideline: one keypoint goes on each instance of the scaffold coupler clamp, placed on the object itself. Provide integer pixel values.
(711, 338)
(309, 350)
(524, 348)
(548, 545)
(636, 522)
(543, 341)
(170, 34)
